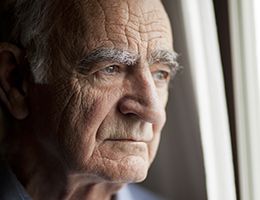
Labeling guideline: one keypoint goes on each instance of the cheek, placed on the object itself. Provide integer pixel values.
(163, 95)
(153, 147)
(79, 124)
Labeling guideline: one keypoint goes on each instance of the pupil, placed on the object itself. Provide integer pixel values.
(110, 69)
(160, 75)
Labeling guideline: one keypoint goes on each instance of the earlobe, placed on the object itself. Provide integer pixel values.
(12, 80)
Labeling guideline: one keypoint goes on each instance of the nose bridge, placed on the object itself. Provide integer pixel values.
(142, 99)
(145, 89)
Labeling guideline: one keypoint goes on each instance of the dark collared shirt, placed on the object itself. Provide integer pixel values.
(10, 187)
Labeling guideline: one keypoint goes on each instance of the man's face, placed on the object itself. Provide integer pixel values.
(104, 116)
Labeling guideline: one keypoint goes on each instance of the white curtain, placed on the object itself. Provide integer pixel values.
(200, 26)
(245, 35)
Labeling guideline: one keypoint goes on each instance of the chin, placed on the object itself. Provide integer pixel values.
(127, 170)
(120, 162)
(133, 169)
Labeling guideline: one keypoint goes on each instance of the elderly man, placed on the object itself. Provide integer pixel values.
(84, 84)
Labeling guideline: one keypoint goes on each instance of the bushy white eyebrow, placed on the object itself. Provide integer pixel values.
(108, 54)
(166, 57)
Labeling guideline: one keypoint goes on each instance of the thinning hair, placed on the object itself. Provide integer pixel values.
(41, 28)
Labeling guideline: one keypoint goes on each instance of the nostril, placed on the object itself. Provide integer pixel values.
(131, 106)
(141, 110)
(130, 115)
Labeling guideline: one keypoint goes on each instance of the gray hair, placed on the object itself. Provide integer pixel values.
(28, 18)
(30, 26)
(38, 26)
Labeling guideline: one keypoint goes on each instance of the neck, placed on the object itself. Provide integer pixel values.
(81, 188)
(44, 177)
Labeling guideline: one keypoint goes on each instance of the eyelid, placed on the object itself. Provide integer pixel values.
(161, 66)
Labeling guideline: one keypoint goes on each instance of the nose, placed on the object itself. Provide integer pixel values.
(142, 99)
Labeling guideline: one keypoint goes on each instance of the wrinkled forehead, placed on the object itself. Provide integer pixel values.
(134, 25)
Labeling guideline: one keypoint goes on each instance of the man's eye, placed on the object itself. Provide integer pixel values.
(161, 75)
(110, 70)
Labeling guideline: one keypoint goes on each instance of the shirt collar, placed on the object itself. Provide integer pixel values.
(124, 194)
(11, 188)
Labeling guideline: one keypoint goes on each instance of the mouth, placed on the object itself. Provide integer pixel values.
(123, 140)
(145, 137)
(136, 140)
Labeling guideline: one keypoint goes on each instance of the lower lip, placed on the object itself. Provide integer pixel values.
(125, 147)
(136, 145)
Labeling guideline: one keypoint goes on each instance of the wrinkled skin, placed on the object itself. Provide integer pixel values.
(91, 132)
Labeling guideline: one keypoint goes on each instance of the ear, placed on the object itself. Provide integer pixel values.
(13, 87)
